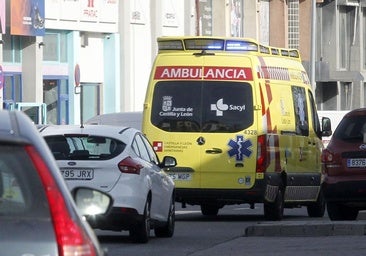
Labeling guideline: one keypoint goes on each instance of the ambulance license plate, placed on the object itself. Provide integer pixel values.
(356, 162)
(181, 176)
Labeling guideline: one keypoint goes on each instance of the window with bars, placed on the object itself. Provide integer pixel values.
(293, 24)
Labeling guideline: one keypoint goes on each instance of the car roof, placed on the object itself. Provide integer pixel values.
(120, 132)
(131, 119)
(356, 112)
(16, 127)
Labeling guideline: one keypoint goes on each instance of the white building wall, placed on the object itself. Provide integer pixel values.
(91, 61)
(141, 22)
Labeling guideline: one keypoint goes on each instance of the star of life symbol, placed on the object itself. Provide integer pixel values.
(240, 148)
(219, 107)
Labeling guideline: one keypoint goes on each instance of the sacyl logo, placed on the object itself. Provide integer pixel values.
(220, 107)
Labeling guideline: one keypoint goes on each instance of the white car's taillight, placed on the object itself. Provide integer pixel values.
(72, 240)
(128, 165)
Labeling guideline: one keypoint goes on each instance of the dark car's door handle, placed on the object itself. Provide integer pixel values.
(214, 151)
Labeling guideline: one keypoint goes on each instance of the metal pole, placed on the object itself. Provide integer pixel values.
(313, 45)
(81, 106)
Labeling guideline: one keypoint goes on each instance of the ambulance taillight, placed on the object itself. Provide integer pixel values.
(262, 156)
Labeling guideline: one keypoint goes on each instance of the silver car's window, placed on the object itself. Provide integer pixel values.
(21, 191)
(84, 147)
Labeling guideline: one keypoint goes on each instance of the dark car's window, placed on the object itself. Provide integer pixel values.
(351, 128)
(21, 191)
(208, 106)
(84, 147)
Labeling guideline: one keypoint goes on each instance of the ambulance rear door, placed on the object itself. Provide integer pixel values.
(202, 113)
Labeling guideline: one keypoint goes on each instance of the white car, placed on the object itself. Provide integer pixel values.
(121, 162)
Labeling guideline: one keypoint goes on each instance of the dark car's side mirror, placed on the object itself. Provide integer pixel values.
(91, 201)
(326, 126)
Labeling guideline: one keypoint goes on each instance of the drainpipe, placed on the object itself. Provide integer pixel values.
(313, 45)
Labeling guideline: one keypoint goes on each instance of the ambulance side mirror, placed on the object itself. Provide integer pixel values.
(326, 126)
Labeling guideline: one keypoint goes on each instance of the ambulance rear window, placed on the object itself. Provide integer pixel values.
(208, 106)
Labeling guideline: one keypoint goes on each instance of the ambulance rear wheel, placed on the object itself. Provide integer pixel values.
(274, 210)
(209, 210)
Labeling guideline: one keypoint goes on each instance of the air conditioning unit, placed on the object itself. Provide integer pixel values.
(349, 2)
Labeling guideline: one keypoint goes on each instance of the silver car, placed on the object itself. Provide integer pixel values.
(38, 215)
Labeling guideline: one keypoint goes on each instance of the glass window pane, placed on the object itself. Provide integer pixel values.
(17, 49)
(50, 50)
(7, 49)
(63, 47)
(50, 96)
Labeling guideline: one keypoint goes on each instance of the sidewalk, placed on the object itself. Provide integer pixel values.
(310, 228)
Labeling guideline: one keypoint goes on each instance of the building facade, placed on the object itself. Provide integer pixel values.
(341, 54)
(94, 56)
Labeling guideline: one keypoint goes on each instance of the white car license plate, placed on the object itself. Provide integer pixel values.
(180, 176)
(77, 174)
(356, 162)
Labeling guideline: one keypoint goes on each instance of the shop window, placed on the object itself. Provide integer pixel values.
(55, 94)
(91, 95)
(11, 48)
(12, 88)
(55, 47)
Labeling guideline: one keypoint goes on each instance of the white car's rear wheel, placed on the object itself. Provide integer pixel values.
(140, 233)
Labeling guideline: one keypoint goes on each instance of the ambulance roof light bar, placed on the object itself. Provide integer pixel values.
(222, 44)
(208, 44)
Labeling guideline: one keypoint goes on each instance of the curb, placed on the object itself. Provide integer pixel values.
(305, 229)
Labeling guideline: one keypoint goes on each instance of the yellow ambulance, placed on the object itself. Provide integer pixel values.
(240, 119)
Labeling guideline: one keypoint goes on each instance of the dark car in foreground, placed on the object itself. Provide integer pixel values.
(344, 167)
(38, 215)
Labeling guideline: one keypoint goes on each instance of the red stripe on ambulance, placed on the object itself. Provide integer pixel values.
(207, 72)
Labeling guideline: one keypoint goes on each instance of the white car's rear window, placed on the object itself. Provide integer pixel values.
(84, 147)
